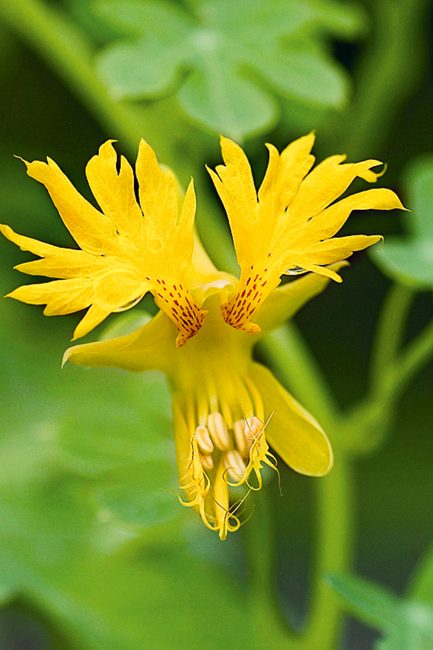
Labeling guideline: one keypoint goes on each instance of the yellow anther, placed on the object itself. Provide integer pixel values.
(242, 442)
(206, 462)
(204, 440)
(218, 431)
(235, 465)
(253, 427)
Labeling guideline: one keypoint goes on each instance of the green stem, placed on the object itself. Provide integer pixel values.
(334, 551)
(65, 48)
(388, 72)
(365, 428)
(292, 360)
(417, 354)
(390, 331)
(260, 546)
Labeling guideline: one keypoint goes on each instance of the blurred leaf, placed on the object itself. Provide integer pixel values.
(121, 324)
(407, 624)
(98, 30)
(234, 64)
(421, 587)
(409, 259)
(85, 459)
(368, 601)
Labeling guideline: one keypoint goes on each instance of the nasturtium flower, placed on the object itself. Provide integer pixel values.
(229, 411)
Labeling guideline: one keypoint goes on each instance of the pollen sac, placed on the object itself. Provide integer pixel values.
(227, 448)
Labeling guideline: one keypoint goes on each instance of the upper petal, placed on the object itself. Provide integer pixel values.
(127, 250)
(91, 229)
(290, 223)
(286, 300)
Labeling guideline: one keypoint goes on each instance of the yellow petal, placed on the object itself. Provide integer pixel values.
(288, 225)
(114, 190)
(127, 250)
(92, 230)
(148, 348)
(285, 301)
(60, 296)
(292, 432)
(327, 182)
(328, 222)
(285, 172)
(93, 317)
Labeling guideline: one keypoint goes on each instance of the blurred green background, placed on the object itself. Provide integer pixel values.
(94, 550)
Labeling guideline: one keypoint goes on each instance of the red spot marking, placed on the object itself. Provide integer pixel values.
(254, 286)
(248, 281)
(249, 293)
(243, 293)
(263, 283)
(176, 302)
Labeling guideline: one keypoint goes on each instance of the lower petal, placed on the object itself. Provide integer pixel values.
(292, 432)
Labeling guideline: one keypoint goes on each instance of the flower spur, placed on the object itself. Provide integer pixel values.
(229, 411)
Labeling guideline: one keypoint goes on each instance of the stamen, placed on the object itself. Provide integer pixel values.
(218, 431)
(235, 466)
(242, 442)
(253, 428)
(204, 440)
(206, 462)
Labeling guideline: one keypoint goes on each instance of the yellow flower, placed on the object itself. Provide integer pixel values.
(228, 410)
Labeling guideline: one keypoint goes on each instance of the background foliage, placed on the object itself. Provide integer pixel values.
(94, 550)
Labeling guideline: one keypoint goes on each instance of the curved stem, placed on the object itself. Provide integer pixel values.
(66, 49)
(390, 331)
(372, 416)
(289, 355)
(261, 557)
(334, 552)
(387, 74)
(417, 354)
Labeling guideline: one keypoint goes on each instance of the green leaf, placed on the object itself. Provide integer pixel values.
(226, 104)
(86, 460)
(149, 500)
(421, 587)
(409, 259)
(123, 70)
(419, 181)
(306, 75)
(234, 68)
(371, 603)
(407, 624)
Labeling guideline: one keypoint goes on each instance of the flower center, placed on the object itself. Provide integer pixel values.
(227, 444)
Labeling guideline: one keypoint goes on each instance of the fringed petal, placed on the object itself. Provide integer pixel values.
(287, 226)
